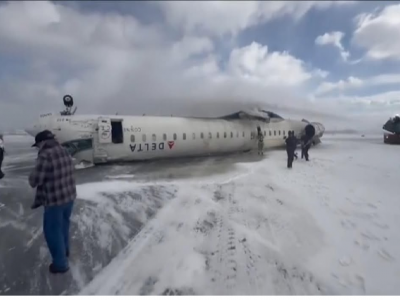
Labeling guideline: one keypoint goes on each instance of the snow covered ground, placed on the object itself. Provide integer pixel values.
(328, 226)
(225, 225)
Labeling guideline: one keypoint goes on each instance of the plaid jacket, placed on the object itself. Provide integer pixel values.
(53, 176)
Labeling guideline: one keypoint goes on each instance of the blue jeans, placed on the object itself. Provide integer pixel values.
(56, 221)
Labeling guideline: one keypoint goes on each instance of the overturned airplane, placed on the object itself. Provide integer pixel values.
(100, 139)
(391, 129)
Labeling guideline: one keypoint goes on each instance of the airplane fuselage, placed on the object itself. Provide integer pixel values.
(102, 139)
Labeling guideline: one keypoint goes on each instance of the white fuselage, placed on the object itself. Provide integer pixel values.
(101, 139)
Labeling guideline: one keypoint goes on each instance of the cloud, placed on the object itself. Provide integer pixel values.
(353, 83)
(113, 63)
(333, 38)
(253, 62)
(378, 33)
(217, 18)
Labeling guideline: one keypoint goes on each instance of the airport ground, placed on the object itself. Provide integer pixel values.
(220, 225)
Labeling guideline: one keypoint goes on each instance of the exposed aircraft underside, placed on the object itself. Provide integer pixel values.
(392, 128)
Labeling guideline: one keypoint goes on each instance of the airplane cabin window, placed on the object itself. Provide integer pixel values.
(202, 135)
(284, 133)
(154, 137)
(174, 136)
(231, 134)
(279, 132)
(132, 138)
(217, 135)
(164, 136)
(144, 138)
(194, 136)
(225, 135)
(184, 136)
(270, 133)
(210, 135)
(237, 134)
(275, 132)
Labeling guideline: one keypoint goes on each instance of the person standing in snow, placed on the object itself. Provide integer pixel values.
(2, 151)
(56, 191)
(306, 144)
(290, 148)
(260, 141)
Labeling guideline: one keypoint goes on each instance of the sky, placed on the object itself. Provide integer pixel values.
(336, 62)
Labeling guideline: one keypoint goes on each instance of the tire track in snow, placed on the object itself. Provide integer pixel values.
(235, 264)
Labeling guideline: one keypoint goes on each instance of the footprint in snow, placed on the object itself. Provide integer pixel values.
(385, 255)
(381, 225)
(345, 261)
(370, 236)
(347, 224)
(362, 244)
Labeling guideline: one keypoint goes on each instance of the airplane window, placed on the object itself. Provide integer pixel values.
(210, 135)
(201, 135)
(217, 135)
(174, 136)
(284, 133)
(164, 137)
(143, 137)
(194, 136)
(231, 134)
(274, 132)
(154, 137)
(279, 132)
(237, 134)
(132, 138)
(225, 135)
(270, 133)
(184, 136)
(243, 133)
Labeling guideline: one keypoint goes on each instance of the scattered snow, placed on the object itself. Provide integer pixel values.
(83, 165)
(328, 226)
(122, 176)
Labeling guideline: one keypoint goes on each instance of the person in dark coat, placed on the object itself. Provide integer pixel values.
(306, 144)
(2, 151)
(260, 138)
(54, 180)
(290, 148)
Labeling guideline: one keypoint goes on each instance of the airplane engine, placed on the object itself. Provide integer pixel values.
(68, 101)
(314, 131)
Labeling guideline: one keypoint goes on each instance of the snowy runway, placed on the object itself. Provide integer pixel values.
(321, 228)
(233, 225)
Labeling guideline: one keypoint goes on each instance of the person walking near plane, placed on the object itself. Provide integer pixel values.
(56, 191)
(306, 143)
(260, 141)
(2, 151)
(290, 148)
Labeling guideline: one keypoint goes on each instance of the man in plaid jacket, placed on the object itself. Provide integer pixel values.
(56, 191)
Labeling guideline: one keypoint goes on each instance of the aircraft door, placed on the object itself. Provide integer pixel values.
(104, 132)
